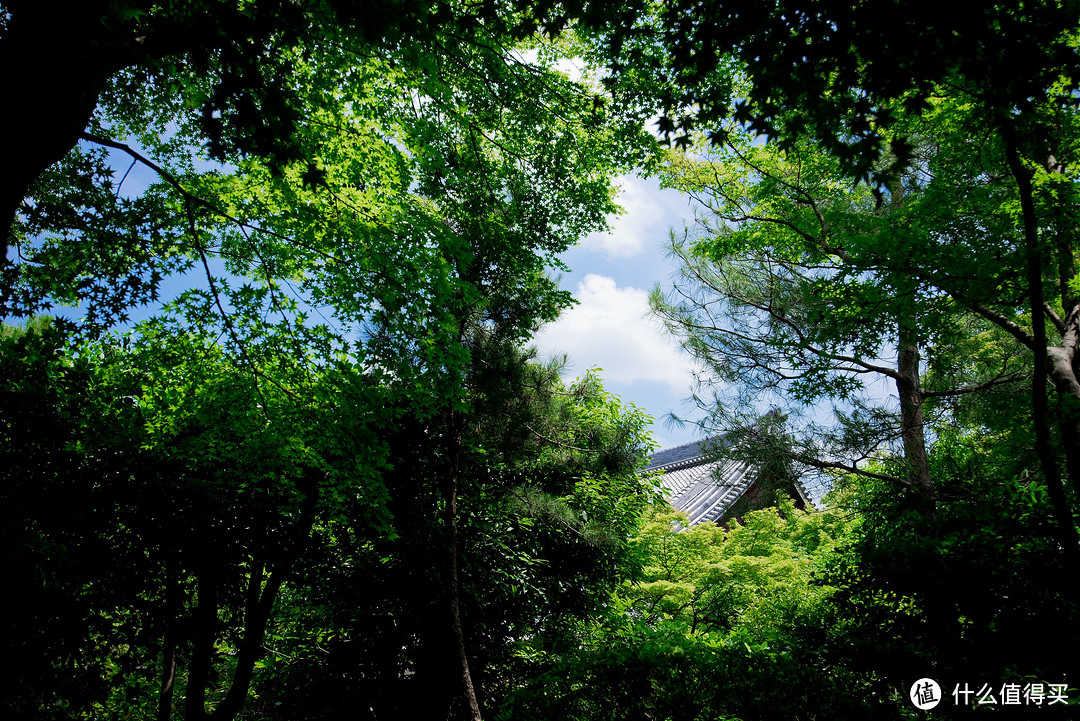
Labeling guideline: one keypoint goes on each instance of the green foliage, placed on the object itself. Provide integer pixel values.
(366, 225)
(829, 71)
(791, 294)
(326, 473)
(142, 491)
(714, 624)
(155, 484)
(358, 214)
(797, 289)
(548, 493)
(752, 579)
(429, 182)
(832, 614)
(971, 596)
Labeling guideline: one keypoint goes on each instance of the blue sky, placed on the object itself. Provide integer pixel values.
(612, 274)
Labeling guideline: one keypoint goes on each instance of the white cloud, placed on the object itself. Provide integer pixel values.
(642, 221)
(610, 329)
(648, 214)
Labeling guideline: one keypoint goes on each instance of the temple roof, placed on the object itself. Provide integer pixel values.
(701, 488)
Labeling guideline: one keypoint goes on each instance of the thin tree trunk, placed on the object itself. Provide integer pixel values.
(1066, 532)
(260, 601)
(1069, 428)
(203, 634)
(168, 653)
(454, 590)
(262, 592)
(1062, 360)
(909, 389)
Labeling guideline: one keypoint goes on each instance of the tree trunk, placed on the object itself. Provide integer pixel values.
(168, 653)
(1069, 428)
(56, 64)
(1063, 359)
(1040, 411)
(260, 601)
(454, 590)
(204, 631)
(262, 590)
(920, 485)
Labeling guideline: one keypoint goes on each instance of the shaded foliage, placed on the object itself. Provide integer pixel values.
(156, 513)
(547, 501)
(178, 539)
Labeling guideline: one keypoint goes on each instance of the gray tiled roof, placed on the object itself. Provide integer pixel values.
(701, 488)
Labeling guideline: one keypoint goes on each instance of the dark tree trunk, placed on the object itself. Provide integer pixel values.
(1066, 532)
(454, 590)
(1069, 428)
(56, 63)
(1064, 369)
(204, 631)
(262, 591)
(168, 654)
(259, 603)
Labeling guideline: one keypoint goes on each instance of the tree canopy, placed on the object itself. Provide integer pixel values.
(358, 215)
(830, 71)
(325, 475)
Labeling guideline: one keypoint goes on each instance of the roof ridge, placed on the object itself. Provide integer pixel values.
(681, 456)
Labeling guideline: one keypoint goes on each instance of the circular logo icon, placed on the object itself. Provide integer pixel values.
(925, 694)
